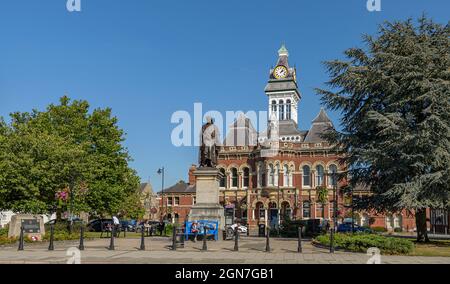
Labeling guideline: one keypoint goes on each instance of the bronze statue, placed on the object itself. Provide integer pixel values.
(209, 141)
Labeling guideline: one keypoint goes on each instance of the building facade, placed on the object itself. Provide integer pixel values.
(278, 173)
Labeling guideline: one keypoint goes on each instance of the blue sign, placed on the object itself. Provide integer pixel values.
(211, 228)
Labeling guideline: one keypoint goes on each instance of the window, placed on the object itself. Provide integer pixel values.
(246, 177)
(234, 177)
(272, 175)
(332, 179)
(277, 174)
(176, 201)
(306, 209)
(260, 175)
(274, 106)
(169, 201)
(281, 117)
(285, 175)
(288, 109)
(223, 179)
(194, 200)
(306, 176)
(319, 175)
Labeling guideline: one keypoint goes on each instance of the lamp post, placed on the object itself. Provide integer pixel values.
(161, 172)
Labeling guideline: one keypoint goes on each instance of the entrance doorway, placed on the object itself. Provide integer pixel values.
(273, 215)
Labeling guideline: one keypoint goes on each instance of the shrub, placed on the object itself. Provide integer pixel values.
(379, 229)
(361, 242)
(4, 240)
(4, 231)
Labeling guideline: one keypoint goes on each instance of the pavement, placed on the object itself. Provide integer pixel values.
(158, 251)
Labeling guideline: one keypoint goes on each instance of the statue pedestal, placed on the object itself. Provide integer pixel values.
(207, 205)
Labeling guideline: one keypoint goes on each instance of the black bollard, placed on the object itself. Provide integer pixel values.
(52, 236)
(236, 239)
(267, 240)
(125, 232)
(332, 241)
(142, 239)
(174, 237)
(81, 246)
(205, 247)
(300, 249)
(21, 239)
(113, 231)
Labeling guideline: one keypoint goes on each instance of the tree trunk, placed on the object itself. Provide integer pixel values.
(421, 224)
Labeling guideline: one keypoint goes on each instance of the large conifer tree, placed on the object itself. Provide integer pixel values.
(394, 97)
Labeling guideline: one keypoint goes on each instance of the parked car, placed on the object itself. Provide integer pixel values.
(231, 229)
(96, 225)
(128, 225)
(347, 228)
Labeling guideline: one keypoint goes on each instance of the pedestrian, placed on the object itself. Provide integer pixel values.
(116, 224)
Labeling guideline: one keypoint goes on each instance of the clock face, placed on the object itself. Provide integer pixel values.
(280, 72)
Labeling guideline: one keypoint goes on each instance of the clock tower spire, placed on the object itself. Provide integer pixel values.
(282, 90)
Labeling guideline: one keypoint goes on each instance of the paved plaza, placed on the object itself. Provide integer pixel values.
(251, 251)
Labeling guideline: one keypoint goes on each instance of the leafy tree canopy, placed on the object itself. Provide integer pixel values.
(65, 146)
(394, 97)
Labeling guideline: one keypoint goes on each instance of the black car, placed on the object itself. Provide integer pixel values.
(99, 225)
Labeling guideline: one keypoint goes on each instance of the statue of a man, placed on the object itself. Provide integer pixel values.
(209, 141)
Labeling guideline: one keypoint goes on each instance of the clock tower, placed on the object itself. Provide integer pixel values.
(282, 90)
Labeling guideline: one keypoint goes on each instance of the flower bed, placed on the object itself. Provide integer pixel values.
(361, 242)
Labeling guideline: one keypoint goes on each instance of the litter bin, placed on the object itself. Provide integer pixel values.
(261, 230)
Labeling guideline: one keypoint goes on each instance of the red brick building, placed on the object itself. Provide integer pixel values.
(275, 174)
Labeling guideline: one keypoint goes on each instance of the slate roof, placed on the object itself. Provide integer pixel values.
(320, 125)
(288, 127)
(179, 187)
(241, 133)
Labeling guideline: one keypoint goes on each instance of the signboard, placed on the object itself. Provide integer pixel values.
(229, 216)
(31, 226)
(211, 225)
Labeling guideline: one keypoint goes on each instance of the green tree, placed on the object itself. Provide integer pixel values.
(64, 146)
(395, 103)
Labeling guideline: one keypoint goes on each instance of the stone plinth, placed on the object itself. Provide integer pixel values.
(33, 226)
(207, 206)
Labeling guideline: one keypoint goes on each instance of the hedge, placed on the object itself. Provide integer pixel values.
(361, 242)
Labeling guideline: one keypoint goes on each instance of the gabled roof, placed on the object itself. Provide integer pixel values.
(241, 133)
(145, 187)
(320, 125)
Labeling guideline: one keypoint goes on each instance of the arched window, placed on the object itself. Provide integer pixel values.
(246, 177)
(281, 106)
(271, 175)
(288, 109)
(223, 179)
(306, 176)
(277, 174)
(286, 175)
(274, 106)
(234, 177)
(319, 175)
(332, 178)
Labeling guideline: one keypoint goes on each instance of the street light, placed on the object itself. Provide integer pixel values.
(161, 172)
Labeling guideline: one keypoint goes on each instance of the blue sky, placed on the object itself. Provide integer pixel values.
(147, 59)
